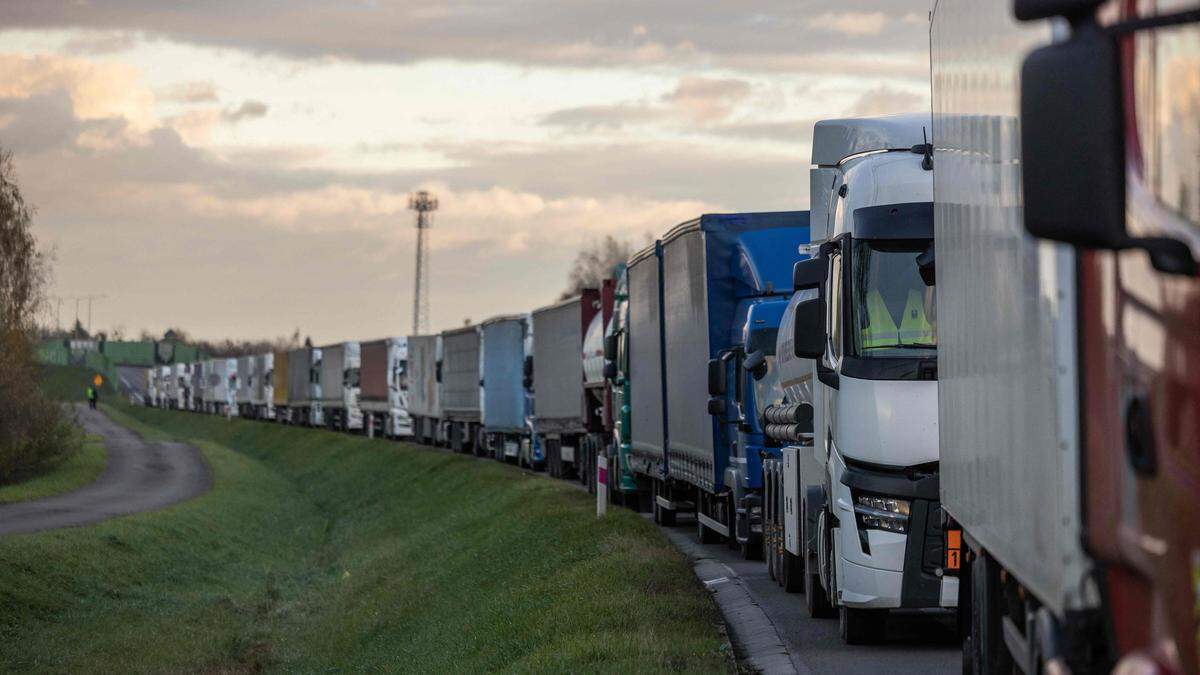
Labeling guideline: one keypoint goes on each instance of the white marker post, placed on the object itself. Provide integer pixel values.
(601, 485)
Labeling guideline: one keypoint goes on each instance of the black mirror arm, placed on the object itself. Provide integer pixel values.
(828, 376)
(1169, 256)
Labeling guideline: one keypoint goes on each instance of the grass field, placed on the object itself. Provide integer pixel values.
(325, 552)
(76, 471)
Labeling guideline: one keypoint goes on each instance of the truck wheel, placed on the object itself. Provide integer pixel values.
(862, 626)
(988, 653)
(815, 597)
(794, 573)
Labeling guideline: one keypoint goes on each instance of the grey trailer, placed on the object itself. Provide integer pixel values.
(245, 386)
(503, 399)
(645, 354)
(304, 386)
(424, 387)
(262, 392)
(341, 386)
(561, 418)
(460, 388)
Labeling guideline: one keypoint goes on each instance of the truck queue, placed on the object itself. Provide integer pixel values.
(965, 380)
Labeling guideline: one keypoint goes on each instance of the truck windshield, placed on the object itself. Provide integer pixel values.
(893, 314)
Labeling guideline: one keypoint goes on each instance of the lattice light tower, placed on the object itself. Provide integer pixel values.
(424, 204)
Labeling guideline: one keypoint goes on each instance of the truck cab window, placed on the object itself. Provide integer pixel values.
(893, 314)
(834, 305)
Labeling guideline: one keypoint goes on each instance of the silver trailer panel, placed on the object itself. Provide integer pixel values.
(300, 363)
(424, 390)
(502, 400)
(558, 365)
(460, 374)
(246, 377)
(645, 356)
(333, 363)
(263, 367)
(685, 319)
(1008, 415)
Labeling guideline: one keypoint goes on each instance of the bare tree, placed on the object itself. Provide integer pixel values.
(595, 263)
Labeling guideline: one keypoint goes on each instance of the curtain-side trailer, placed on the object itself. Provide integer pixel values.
(384, 396)
(305, 386)
(341, 386)
(244, 396)
(460, 388)
(558, 379)
(424, 387)
(262, 405)
(504, 403)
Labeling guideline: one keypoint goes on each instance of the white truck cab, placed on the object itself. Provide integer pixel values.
(862, 350)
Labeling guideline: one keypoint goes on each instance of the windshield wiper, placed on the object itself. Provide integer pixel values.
(919, 345)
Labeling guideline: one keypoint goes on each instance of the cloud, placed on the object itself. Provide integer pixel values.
(98, 90)
(720, 33)
(100, 43)
(850, 23)
(249, 109)
(885, 100)
(188, 92)
(694, 101)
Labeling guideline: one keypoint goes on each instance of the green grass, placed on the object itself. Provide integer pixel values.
(323, 552)
(76, 471)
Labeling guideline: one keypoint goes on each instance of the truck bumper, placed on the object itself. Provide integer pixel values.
(885, 569)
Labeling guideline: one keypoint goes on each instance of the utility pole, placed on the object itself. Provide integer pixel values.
(424, 204)
(89, 299)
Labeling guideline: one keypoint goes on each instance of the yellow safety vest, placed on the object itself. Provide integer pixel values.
(882, 332)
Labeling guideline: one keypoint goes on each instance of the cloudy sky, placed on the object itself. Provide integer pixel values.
(240, 168)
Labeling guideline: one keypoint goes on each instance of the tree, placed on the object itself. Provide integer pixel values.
(34, 435)
(595, 263)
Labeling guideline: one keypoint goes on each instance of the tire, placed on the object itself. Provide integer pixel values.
(816, 598)
(862, 626)
(794, 573)
(988, 653)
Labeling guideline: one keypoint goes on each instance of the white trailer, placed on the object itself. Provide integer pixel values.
(342, 386)
(262, 391)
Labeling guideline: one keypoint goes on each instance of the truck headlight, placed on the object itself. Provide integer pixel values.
(874, 512)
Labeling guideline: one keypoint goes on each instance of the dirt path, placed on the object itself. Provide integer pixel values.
(140, 476)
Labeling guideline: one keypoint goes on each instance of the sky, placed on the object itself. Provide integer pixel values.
(241, 168)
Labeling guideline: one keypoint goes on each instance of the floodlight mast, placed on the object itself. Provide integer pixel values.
(424, 204)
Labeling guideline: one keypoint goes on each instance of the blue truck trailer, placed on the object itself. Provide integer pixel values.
(704, 310)
(505, 402)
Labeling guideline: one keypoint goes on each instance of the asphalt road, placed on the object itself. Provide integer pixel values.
(140, 476)
(916, 642)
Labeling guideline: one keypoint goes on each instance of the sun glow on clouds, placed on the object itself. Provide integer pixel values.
(159, 155)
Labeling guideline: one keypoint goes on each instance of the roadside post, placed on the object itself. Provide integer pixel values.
(601, 485)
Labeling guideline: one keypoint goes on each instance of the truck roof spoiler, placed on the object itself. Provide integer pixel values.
(835, 140)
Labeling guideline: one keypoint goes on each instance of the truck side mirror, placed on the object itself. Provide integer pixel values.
(926, 266)
(527, 368)
(756, 365)
(809, 324)
(438, 372)
(1073, 166)
(716, 406)
(716, 377)
(610, 347)
(811, 273)
(610, 370)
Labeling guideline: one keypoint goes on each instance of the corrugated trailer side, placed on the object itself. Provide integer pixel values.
(333, 362)
(424, 390)
(460, 374)
(460, 387)
(502, 403)
(647, 412)
(1007, 344)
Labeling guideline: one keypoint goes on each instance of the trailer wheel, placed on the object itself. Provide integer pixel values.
(988, 653)
(862, 626)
